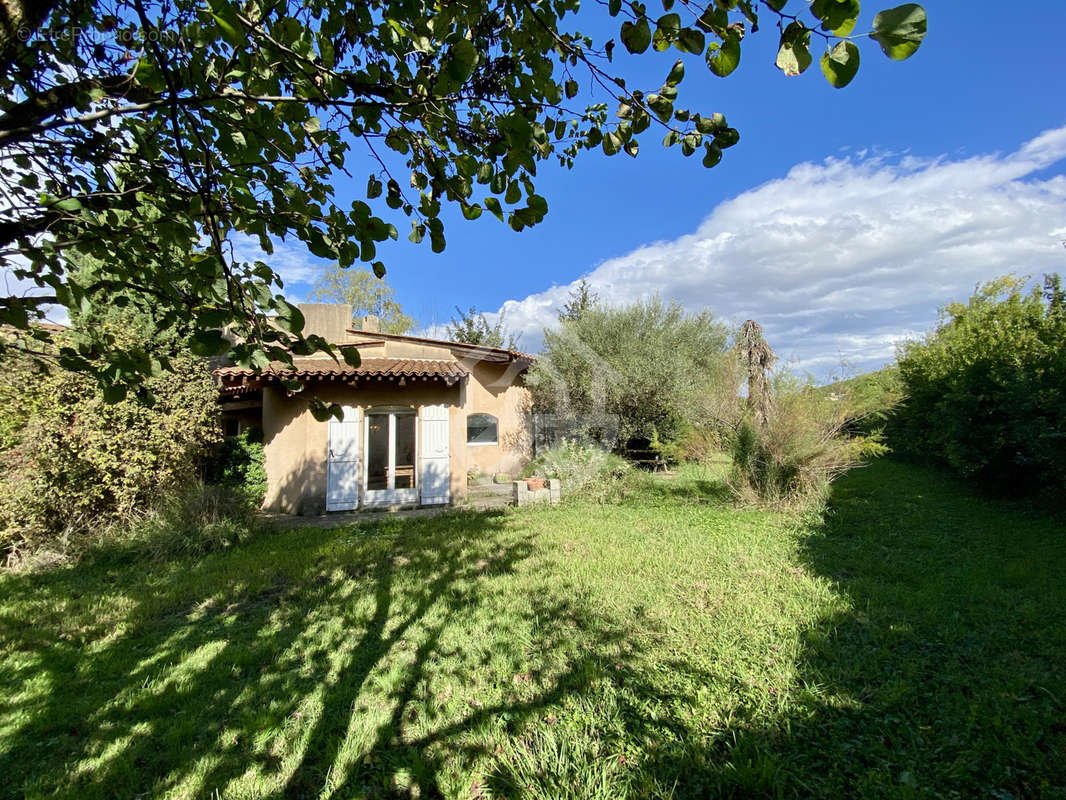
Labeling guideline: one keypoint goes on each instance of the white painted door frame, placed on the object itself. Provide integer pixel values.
(390, 496)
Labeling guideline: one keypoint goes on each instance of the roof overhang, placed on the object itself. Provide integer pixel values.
(399, 372)
(473, 351)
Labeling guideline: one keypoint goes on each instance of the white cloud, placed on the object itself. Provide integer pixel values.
(292, 262)
(842, 259)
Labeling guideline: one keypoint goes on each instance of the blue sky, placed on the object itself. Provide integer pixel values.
(842, 220)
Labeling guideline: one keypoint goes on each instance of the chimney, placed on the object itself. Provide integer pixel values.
(370, 323)
(329, 320)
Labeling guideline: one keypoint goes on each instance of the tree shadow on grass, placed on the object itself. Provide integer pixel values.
(940, 674)
(306, 664)
(212, 666)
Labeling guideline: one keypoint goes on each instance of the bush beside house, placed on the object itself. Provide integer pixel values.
(72, 464)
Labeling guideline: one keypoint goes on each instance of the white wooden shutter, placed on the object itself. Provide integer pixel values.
(342, 467)
(436, 464)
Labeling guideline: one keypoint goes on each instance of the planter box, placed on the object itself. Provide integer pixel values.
(524, 495)
(534, 483)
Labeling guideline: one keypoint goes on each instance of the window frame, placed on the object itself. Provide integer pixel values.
(496, 429)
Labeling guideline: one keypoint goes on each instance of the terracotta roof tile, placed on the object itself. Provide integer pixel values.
(449, 371)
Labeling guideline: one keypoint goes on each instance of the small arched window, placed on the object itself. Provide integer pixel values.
(481, 429)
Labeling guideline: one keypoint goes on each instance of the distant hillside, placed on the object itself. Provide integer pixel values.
(873, 395)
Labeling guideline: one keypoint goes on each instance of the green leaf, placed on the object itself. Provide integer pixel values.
(677, 73)
(900, 30)
(229, 30)
(840, 64)
(723, 58)
(710, 124)
(613, 7)
(793, 57)
(727, 137)
(713, 20)
(493, 205)
(69, 204)
(612, 143)
(636, 36)
(472, 211)
(373, 188)
(837, 16)
(290, 318)
(713, 155)
(436, 236)
(351, 356)
(260, 359)
(461, 61)
(208, 343)
(570, 88)
(418, 231)
(322, 411)
(669, 25)
(379, 269)
(691, 40)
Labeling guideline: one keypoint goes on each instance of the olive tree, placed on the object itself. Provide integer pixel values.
(644, 366)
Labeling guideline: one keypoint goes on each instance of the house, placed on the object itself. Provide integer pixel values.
(419, 414)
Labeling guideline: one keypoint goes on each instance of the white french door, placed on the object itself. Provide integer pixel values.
(391, 439)
(342, 465)
(436, 465)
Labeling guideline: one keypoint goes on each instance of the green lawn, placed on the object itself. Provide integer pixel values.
(909, 642)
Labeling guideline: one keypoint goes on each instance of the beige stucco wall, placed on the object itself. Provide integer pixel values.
(295, 443)
(497, 389)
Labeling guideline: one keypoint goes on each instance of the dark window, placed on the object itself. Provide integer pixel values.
(481, 429)
(231, 427)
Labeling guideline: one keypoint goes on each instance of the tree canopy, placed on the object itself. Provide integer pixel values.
(582, 299)
(471, 327)
(643, 366)
(202, 124)
(367, 294)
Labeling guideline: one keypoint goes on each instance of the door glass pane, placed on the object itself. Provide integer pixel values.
(405, 451)
(377, 452)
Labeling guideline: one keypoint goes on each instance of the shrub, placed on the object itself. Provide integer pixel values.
(237, 463)
(800, 450)
(72, 464)
(872, 399)
(986, 390)
(695, 442)
(199, 520)
(582, 468)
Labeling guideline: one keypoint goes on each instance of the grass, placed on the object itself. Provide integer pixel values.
(908, 642)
